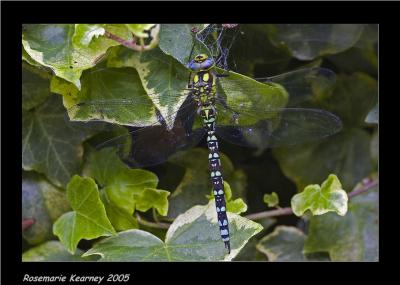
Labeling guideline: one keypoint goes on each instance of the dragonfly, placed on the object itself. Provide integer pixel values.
(244, 112)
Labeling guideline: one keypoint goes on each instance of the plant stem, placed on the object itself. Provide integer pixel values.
(288, 210)
(363, 188)
(128, 43)
(272, 213)
(266, 214)
(146, 223)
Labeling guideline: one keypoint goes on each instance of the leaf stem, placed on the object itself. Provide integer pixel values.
(131, 44)
(146, 223)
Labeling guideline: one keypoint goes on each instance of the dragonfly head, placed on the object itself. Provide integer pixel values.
(201, 62)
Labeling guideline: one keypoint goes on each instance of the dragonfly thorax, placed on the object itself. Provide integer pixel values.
(204, 88)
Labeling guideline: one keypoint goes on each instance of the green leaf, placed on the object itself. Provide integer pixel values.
(194, 236)
(163, 78)
(27, 58)
(363, 56)
(236, 206)
(271, 200)
(35, 87)
(283, 244)
(42, 202)
(308, 41)
(104, 86)
(373, 115)
(177, 40)
(125, 189)
(51, 251)
(195, 184)
(86, 35)
(153, 198)
(120, 218)
(88, 220)
(346, 154)
(354, 96)
(330, 197)
(286, 244)
(54, 46)
(50, 144)
(353, 237)
(259, 52)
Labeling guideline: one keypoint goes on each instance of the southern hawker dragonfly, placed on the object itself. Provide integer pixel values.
(260, 114)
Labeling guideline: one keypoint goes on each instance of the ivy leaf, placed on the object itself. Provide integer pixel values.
(88, 220)
(353, 98)
(35, 87)
(271, 200)
(354, 237)
(87, 35)
(308, 41)
(54, 46)
(283, 244)
(178, 41)
(363, 55)
(42, 202)
(120, 218)
(320, 200)
(194, 236)
(52, 251)
(195, 184)
(50, 144)
(286, 244)
(125, 189)
(27, 58)
(163, 78)
(108, 93)
(153, 198)
(373, 115)
(346, 154)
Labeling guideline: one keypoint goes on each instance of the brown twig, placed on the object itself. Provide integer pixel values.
(364, 188)
(127, 43)
(288, 210)
(268, 214)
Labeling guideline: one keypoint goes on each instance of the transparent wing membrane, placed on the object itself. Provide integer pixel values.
(301, 84)
(247, 116)
(283, 127)
(155, 143)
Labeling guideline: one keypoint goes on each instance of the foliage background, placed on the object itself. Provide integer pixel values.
(58, 59)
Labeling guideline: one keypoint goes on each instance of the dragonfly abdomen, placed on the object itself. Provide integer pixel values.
(209, 115)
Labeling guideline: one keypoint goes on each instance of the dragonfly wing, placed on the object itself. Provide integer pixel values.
(303, 83)
(154, 144)
(281, 127)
